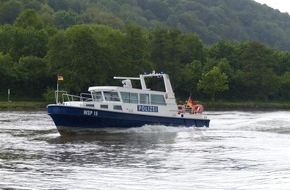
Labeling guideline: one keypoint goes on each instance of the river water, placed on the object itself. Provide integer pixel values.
(240, 150)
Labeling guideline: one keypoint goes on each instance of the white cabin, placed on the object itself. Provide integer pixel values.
(132, 100)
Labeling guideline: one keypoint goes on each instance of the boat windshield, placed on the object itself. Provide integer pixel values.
(111, 96)
(97, 96)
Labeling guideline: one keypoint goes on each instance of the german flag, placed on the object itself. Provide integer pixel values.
(190, 102)
(59, 77)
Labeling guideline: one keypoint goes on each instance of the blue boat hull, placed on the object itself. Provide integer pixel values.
(67, 118)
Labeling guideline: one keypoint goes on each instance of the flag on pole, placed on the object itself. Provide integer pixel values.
(59, 77)
(190, 102)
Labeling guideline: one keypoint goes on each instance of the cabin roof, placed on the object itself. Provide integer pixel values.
(118, 88)
(103, 88)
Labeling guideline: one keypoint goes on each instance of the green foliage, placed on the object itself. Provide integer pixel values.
(135, 52)
(224, 50)
(159, 8)
(9, 11)
(189, 76)
(80, 56)
(257, 70)
(31, 68)
(20, 42)
(95, 15)
(49, 95)
(89, 42)
(29, 18)
(165, 47)
(192, 48)
(7, 72)
(46, 14)
(65, 19)
(213, 82)
(212, 21)
(32, 72)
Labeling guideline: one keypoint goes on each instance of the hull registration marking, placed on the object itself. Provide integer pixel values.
(90, 112)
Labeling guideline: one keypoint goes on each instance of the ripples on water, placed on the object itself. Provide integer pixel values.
(240, 150)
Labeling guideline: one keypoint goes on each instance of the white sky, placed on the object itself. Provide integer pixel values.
(282, 5)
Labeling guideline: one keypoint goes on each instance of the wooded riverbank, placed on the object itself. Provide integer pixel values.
(23, 105)
(209, 106)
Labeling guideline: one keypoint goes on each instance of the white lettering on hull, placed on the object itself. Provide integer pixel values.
(90, 113)
(143, 108)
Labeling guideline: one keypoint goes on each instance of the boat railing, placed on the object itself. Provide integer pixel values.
(65, 97)
(86, 97)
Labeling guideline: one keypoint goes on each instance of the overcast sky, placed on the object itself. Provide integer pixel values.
(282, 5)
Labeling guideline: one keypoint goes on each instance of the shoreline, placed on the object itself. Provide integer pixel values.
(247, 106)
(23, 106)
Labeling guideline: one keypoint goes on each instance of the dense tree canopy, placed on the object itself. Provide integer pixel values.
(212, 21)
(42, 39)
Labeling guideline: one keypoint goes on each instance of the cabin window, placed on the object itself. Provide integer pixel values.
(111, 96)
(104, 106)
(133, 98)
(157, 99)
(128, 97)
(97, 96)
(117, 107)
(125, 97)
(144, 98)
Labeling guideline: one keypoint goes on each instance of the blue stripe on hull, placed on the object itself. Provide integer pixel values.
(74, 117)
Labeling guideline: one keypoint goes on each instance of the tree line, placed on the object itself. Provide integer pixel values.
(32, 54)
(212, 20)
